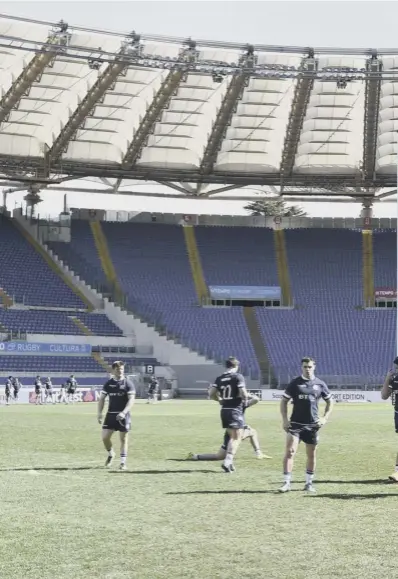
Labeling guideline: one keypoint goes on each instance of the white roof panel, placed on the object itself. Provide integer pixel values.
(271, 112)
(332, 111)
(386, 160)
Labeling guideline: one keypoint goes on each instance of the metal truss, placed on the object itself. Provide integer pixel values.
(331, 74)
(158, 104)
(245, 198)
(298, 111)
(234, 93)
(78, 169)
(385, 195)
(56, 44)
(221, 44)
(371, 119)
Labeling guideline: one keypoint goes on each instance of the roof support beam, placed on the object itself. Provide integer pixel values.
(228, 108)
(386, 194)
(10, 165)
(176, 187)
(302, 93)
(222, 190)
(34, 70)
(371, 118)
(160, 101)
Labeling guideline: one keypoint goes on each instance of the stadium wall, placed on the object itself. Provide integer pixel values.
(244, 220)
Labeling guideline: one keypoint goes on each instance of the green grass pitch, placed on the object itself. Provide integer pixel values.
(63, 516)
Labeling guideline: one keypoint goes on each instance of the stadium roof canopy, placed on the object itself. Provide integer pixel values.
(302, 121)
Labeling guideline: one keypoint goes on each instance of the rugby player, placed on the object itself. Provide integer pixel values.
(153, 390)
(71, 386)
(390, 388)
(248, 433)
(304, 423)
(38, 390)
(16, 384)
(7, 390)
(48, 385)
(121, 393)
(62, 394)
(230, 391)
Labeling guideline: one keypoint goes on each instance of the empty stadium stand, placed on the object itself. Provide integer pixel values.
(326, 278)
(328, 321)
(81, 254)
(153, 268)
(48, 364)
(28, 280)
(56, 322)
(27, 277)
(385, 257)
(237, 255)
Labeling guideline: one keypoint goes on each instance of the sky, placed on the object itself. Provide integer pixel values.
(345, 24)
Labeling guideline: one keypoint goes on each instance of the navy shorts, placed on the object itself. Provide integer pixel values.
(396, 421)
(111, 423)
(247, 430)
(306, 434)
(232, 418)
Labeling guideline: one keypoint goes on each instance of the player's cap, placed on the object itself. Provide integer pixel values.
(396, 360)
(117, 364)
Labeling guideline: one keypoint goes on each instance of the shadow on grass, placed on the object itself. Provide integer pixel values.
(231, 492)
(376, 481)
(182, 471)
(49, 469)
(185, 460)
(353, 497)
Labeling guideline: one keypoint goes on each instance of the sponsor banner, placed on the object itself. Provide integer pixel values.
(224, 292)
(337, 395)
(257, 393)
(81, 395)
(385, 293)
(42, 348)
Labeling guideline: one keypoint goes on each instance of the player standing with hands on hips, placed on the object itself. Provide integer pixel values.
(121, 393)
(305, 392)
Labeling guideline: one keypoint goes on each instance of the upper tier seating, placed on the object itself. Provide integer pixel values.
(27, 277)
(54, 322)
